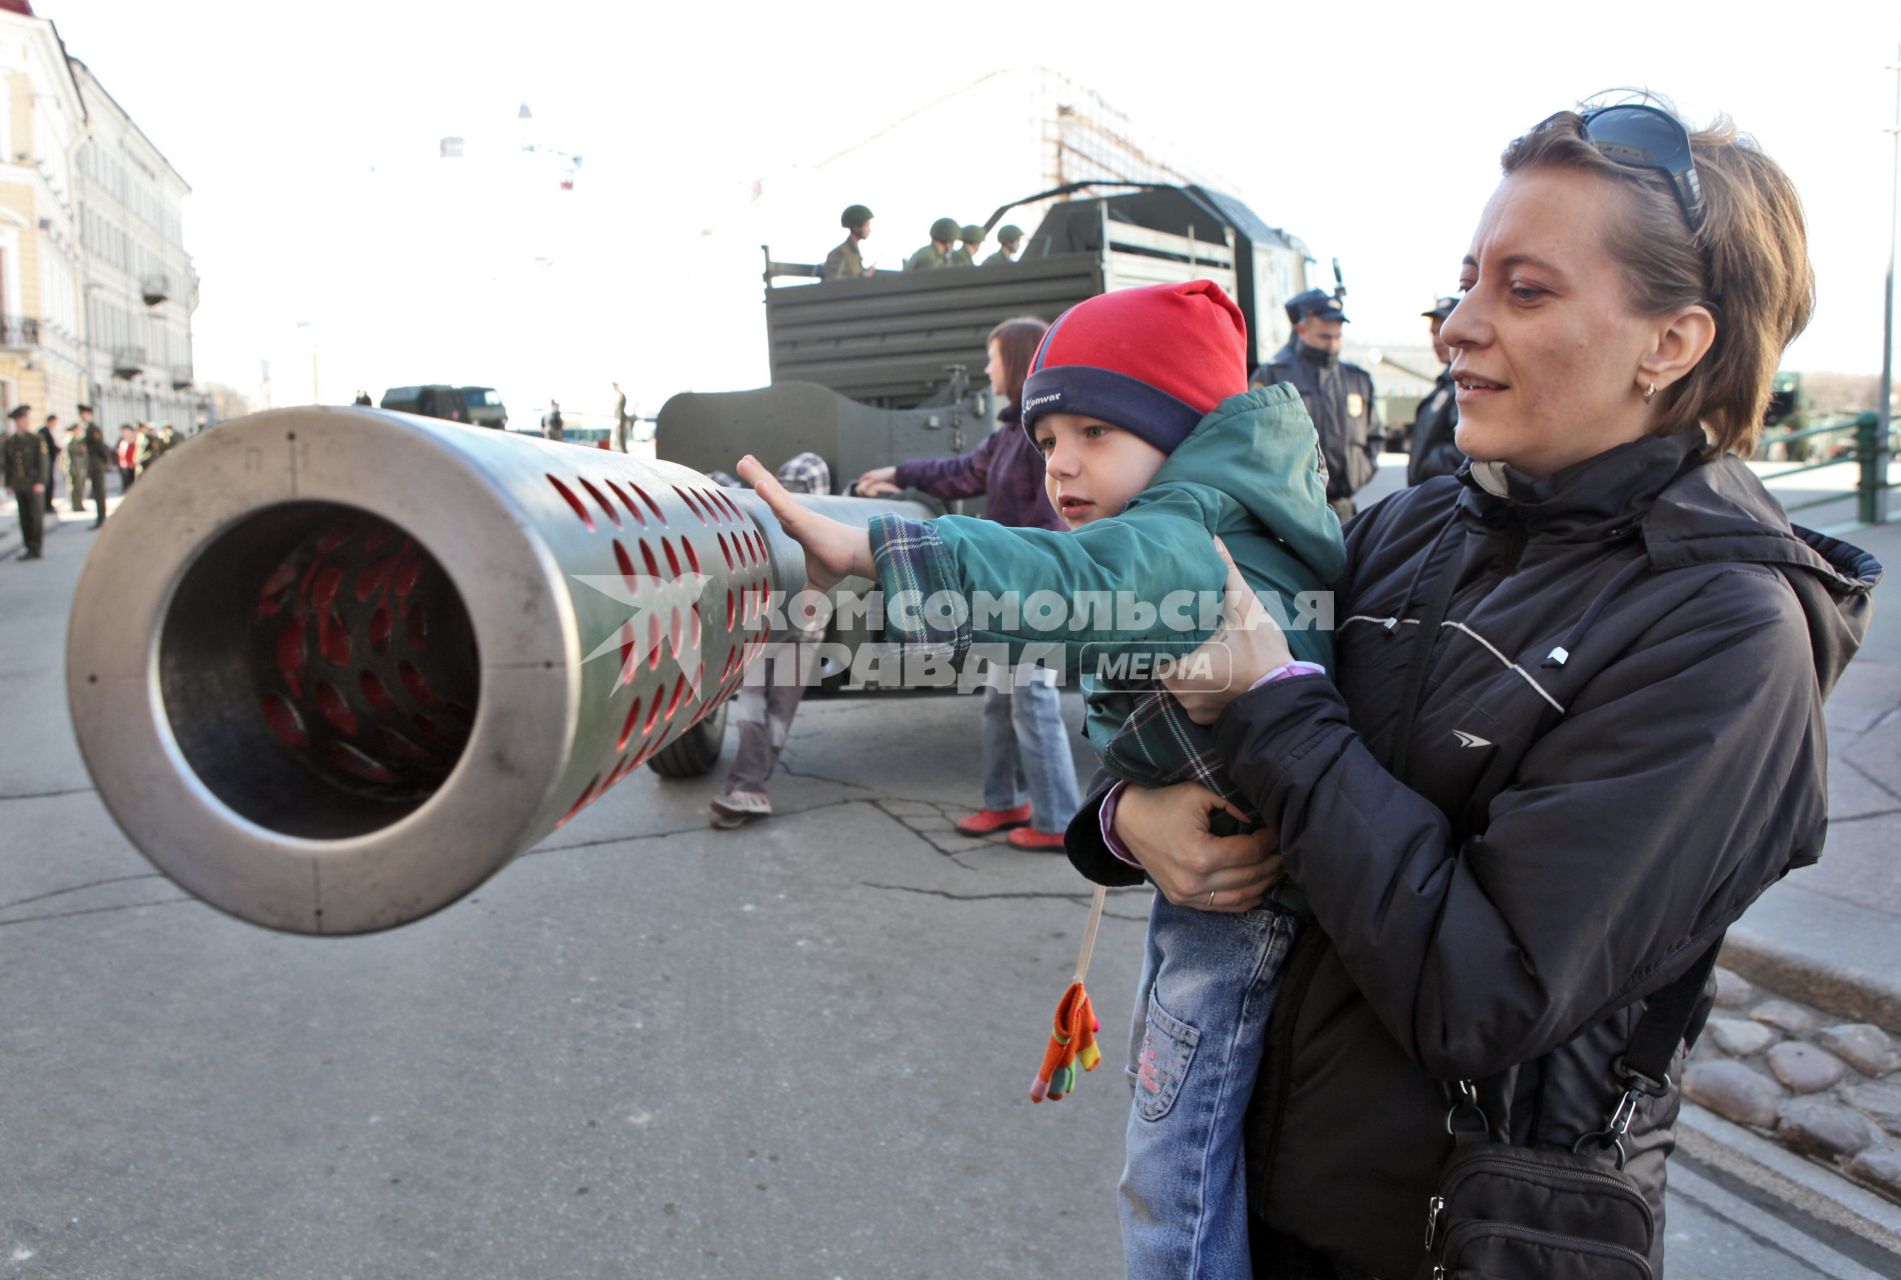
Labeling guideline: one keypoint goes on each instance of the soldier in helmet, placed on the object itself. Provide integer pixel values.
(844, 262)
(936, 254)
(1010, 236)
(1339, 396)
(973, 237)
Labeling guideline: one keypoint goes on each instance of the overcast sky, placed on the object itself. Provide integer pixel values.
(309, 135)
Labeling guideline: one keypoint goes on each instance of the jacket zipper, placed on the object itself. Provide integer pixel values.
(1496, 1154)
(1464, 1233)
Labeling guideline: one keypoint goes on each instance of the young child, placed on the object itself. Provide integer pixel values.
(1153, 445)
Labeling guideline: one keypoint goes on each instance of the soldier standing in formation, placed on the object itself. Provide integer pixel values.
(78, 460)
(29, 473)
(73, 450)
(973, 238)
(938, 253)
(845, 262)
(1429, 441)
(98, 458)
(1339, 396)
(551, 425)
(1010, 236)
(49, 436)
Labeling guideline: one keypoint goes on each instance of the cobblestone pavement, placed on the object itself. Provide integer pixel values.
(1824, 1088)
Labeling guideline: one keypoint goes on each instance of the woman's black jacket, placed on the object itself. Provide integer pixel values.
(1618, 747)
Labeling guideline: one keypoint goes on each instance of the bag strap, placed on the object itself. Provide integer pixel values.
(1643, 1069)
(1665, 1022)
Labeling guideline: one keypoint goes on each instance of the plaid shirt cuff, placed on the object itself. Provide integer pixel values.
(1106, 815)
(913, 566)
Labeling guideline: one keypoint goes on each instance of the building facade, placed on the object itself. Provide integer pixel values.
(137, 281)
(41, 121)
(96, 289)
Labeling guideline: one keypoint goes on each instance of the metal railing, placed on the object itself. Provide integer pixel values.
(19, 331)
(1864, 447)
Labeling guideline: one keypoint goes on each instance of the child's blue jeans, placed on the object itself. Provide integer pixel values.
(1208, 986)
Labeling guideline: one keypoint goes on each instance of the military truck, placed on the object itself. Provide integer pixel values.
(869, 372)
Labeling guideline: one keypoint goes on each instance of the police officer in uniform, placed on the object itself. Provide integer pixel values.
(936, 254)
(1010, 236)
(1339, 396)
(1429, 440)
(973, 238)
(845, 262)
(28, 472)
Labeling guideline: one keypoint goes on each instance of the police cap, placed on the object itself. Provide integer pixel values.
(1314, 304)
(1442, 308)
(944, 229)
(854, 216)
(1009, 233)
(19, 411)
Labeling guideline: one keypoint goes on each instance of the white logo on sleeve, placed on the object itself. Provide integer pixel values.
(1469, 739)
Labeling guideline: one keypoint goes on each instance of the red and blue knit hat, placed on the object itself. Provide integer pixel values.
(1153, 361)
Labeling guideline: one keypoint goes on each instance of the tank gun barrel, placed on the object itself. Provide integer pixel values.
(331, 668)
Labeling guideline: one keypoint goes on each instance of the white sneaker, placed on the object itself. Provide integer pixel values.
(739, 806)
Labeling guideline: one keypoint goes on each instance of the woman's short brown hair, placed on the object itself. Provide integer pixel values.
(1748, 263)
(1016, 341)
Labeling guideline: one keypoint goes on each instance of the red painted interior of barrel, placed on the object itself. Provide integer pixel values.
(347, 674)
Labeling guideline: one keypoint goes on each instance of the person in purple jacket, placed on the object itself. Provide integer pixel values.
(1025, 744)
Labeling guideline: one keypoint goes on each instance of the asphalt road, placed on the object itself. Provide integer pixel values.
(646, 1048)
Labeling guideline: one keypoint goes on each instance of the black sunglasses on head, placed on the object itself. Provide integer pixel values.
(1640, 137)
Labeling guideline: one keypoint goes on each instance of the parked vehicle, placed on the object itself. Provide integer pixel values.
(871, 371)
(484, 406)
(432, 401)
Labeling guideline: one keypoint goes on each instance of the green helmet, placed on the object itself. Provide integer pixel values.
(1009, 233)
(854, 216)
(973, 234)
(944, 229)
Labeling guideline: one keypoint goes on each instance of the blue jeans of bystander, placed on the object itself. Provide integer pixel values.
(1026, 749)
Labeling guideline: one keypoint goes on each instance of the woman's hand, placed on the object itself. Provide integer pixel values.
(1167, 831)
(1246, 645)
(878, 482)
(833, 551)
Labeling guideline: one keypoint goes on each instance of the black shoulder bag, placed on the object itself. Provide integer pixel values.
(1504, 1212)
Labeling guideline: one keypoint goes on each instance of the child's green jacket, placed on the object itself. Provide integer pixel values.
(1250, 471)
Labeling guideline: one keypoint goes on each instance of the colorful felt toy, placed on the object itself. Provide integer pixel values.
(1073, 1039)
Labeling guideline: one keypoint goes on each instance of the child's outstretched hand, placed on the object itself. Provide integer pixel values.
(833, 551)
(1244, 647)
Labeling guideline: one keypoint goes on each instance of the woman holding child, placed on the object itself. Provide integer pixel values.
(1568, 730)
(1573, 726)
